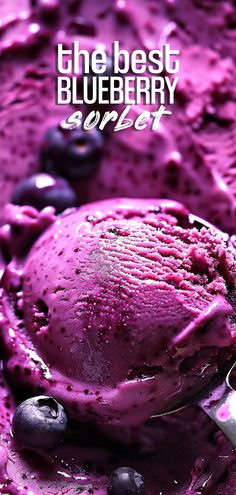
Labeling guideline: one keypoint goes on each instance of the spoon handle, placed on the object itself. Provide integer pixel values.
(220, 405)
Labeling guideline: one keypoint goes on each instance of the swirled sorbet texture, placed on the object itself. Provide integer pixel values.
(123, 308)
(129, 305)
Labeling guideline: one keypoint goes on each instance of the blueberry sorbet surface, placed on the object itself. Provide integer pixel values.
(115, 307)
(191, 158)
(120, 310)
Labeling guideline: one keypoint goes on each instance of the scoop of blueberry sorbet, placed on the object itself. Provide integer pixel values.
(123, 309)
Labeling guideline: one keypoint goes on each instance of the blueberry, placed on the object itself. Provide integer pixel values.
(53, 148)
(84, 152)
(126, 481)
(72, 154)
(45, 190)
(39, 422)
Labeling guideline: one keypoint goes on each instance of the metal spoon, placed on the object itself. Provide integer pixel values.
(220, 405)
(218, 401)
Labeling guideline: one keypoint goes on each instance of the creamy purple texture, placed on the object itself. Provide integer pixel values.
(128, 278)
(189, 159)
(180, 454)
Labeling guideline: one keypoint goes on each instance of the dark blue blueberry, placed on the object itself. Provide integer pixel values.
(43, 190)
(39, 422)
(126, 481)
(74, 155)
(53, 148)
(84, 152)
